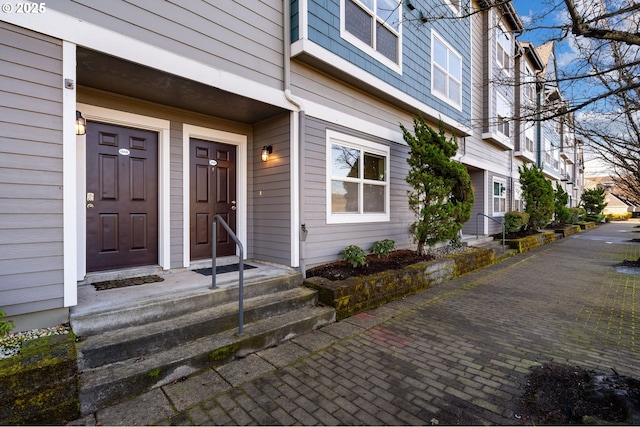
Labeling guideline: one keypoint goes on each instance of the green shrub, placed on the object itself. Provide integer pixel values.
(515, 221)
(562, 214)
(577, 215)
(538, 196)
(594, 218)
(440, 194)
(593, 201)
(618, 216)
(5, 325)
(355, 255)
(383, 248)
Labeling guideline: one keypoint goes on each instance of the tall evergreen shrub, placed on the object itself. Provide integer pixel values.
(441, 196)
(538, 196)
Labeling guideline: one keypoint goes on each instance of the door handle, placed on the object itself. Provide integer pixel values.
(233, 208)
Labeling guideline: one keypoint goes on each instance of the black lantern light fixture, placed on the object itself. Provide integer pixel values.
(81, 124)
(266, 150)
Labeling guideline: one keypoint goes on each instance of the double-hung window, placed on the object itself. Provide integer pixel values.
(374, 26)
(518, 204)
(530, 85)
(446, 72)
(503, 110)
(503, 49)
(357, 180)
(499, 197)
(529, 136)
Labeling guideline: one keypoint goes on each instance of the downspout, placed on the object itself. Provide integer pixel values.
(300, 226)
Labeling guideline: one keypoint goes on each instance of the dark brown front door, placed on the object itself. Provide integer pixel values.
(213, 191)
(122, 197)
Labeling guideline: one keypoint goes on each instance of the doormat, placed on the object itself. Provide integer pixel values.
(223, 269)
(122, 283)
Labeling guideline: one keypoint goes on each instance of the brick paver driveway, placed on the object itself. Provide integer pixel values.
(456, 353)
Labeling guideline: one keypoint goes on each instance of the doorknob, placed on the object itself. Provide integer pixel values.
(233, 208)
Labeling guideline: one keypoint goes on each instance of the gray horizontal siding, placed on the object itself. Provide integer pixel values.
(31, 220)
(325, 241)
(270, 232)
(176, 193)
(244, 38)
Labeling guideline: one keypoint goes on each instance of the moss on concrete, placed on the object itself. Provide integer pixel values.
(357, 294)
(40, 385)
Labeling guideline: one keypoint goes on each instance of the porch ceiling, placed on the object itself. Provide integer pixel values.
(116, 75)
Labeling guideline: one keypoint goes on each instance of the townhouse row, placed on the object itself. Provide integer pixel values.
(281, 116)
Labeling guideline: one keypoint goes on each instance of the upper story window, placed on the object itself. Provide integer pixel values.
(530, 85)
(374, 26)
(529, 137)
(503, 111)
(357, 180)
(503, 49)
(446, 72)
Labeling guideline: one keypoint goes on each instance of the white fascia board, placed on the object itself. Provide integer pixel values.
(82, 33)
(317, 51)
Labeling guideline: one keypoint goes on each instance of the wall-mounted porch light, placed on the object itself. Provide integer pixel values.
(81, 124)
(266, 150)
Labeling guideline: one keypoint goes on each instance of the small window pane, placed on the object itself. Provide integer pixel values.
(345, 161)
(358, 22)
(439, 53)
(386, 42)
(374, 167)
(388, 12)
(373, 198)
(439, 81)
(455, 67)
(454, 90)
(368, 4)
(344, 196)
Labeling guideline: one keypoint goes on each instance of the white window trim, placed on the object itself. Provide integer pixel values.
(454, 8)
(451, 50)
(355, 41)
(371, 147)
(493, 196)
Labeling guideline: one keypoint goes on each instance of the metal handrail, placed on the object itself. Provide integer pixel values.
(240, 266)
(492, 219)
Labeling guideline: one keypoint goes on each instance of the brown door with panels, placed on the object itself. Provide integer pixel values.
(213, 191)
(122, 197)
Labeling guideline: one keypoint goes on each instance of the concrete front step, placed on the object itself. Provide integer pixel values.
(496, 245)
(114, 382)
(92, 320)
(142, 340)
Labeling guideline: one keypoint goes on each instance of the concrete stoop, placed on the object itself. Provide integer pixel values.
(496, 245)
(127, 351)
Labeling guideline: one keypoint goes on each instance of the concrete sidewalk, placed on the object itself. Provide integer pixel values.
(453, 354)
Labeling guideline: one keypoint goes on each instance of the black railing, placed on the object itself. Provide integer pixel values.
(492, 219)
(240, 266)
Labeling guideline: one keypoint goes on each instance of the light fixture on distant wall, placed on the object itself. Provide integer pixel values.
(266, 150)
(81, 124)
(410, 5)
